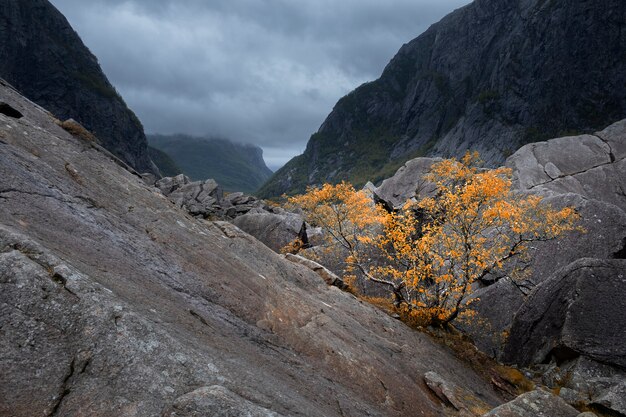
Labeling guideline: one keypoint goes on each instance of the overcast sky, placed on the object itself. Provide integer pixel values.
(266, 72)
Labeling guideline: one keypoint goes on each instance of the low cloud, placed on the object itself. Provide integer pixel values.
(262, 72)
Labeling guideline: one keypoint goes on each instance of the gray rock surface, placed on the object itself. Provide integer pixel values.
(580, 310)
(328, 277)
(537, 403)
(495, 306)
(491, 76)
(168, 185)
(275, 230)
(453, 396)
(206, 199)
(215, 401)
(114, 302)
(585, 382)
(406, 183)
(42, 56)
(613, 398)
(200, 198)
(588, 165)
(603, 236)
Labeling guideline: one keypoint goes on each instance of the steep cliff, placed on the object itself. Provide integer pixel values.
(42, 56)
(235, 166)
(491, 76)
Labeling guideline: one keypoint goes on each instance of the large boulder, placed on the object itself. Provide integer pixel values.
(408, 182)
(593, 166)
(603, 237)
(601, 234)
(584, 172)
(199, 198)
(276, 231)
(580, 310)
(495, 306)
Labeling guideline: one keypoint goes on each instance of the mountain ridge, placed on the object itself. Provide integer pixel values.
(490, 76)
(45, 59)
(235, 166)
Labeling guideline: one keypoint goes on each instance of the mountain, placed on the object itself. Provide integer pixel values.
(115, 302)
(164, 162)
(491, 76)
(235, 166)
(43, 57)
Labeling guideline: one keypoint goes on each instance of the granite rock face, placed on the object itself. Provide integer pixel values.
(407, 183)
(580, 310)
(593, 166)
(116, 302)
(42, 56)
(491, 76)
(275, 230)
(584, 172)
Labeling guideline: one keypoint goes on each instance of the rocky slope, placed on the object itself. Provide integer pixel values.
(115, 302)
(235, 166)
(490, 76)
(42, 56)
(564, 318)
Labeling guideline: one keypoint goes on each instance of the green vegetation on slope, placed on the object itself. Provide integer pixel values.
(164, 162)
(235, 166)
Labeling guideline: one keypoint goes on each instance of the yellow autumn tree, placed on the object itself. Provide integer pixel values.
(344, 214)
(430, 253)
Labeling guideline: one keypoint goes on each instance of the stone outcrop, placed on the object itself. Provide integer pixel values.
(407, 183)
(206, 199)
(588, 165)
(215, 401)
(580, 310)
(537, 403)
(585, 382)
(329, 277)
(116, 302)
(42, 56)
(453, 397)
(583, 172)
(275, 230)
(273, 226)
(490, 76)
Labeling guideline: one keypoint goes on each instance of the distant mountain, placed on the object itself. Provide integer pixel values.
(491, 76)
(164, 162)
(42, 56)
(235, 166)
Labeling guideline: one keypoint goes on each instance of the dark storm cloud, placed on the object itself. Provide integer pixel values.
(260, 71)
